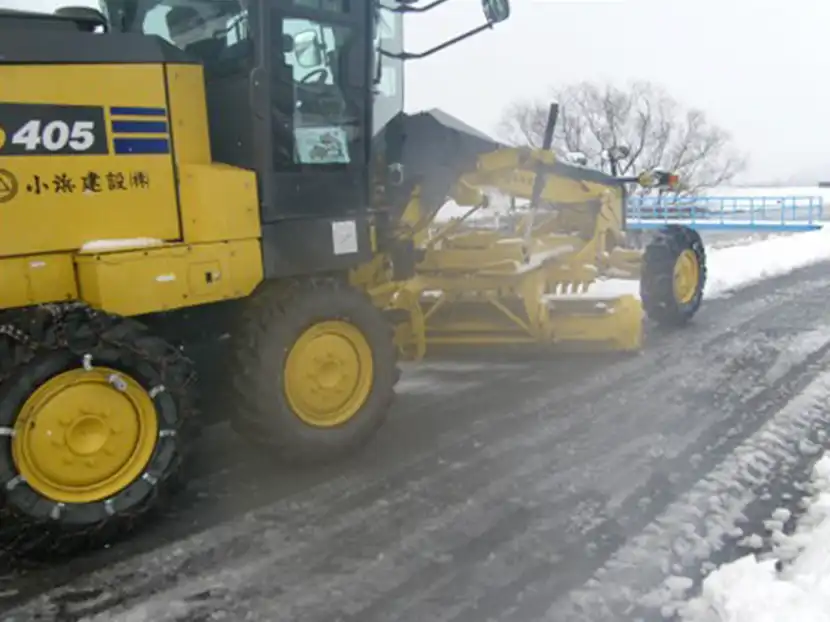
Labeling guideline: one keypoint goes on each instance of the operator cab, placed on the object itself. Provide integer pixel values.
(300, 91)
(303, 92)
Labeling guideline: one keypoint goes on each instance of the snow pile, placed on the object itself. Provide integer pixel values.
(734, 267)
(102, 246)
(752, 590)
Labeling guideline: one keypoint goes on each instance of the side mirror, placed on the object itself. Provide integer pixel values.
(496, 11)
(658, 178)
(307, 49)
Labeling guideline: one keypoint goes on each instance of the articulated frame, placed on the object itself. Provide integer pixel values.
(525, 285)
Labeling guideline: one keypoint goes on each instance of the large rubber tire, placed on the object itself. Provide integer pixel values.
(274, 319)
(39, 347)
(670, 245)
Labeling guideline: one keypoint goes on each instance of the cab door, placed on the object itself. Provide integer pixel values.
(320, 96)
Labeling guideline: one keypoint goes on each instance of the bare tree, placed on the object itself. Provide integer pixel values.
(627, 130)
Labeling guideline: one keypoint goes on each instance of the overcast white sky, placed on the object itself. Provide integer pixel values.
(760, 68)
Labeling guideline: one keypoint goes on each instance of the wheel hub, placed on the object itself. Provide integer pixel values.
(87, 435)
(328, 374)
(80, 438)
(686, 276)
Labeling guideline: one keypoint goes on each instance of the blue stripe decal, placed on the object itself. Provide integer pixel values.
(141, 146)
(139, 127)
(137, 111)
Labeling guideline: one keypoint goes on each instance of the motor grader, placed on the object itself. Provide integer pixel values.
(167, 165)
(165, 157)
(461, 285)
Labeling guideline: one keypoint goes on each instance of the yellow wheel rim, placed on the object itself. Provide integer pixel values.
(686, 276)
(328, 374)
(84, 436)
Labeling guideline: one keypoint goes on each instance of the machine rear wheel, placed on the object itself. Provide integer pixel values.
(673, 275)
(91, 414)
(315, 369)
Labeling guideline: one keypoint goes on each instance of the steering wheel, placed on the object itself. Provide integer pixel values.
(320, 72)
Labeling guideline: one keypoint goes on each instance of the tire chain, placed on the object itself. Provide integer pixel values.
(59, 313)
(10, 327)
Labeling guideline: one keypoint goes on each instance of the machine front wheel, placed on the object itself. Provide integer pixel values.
(673, 276)
(314, 371)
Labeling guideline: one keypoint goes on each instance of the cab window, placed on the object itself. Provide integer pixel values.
(202, 28)
(303, 59)
(316, 62)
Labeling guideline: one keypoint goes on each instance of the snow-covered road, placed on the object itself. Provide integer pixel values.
(585, 488)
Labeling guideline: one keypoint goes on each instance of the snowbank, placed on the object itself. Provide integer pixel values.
(737, 266)
(102, 246)
(752, 590)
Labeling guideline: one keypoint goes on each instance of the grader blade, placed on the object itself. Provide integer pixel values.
(610, 324)
(597, 323)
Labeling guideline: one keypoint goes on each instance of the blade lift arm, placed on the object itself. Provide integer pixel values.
(539, 176)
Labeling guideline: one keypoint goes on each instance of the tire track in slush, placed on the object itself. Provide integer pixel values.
(642, 505)
(613, 454)
(524, 547)
(687, 531)
(801, 353)
(291, 510)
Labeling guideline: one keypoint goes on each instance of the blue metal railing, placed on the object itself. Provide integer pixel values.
(727, 213)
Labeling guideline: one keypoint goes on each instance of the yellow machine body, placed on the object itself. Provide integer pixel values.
(136, 218)
(528, 285)
(142, 220)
